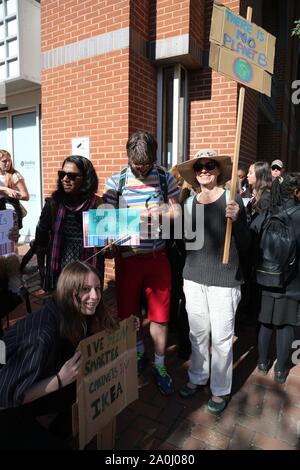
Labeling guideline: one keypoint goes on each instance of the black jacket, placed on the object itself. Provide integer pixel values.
(292, 290)
(34, 351)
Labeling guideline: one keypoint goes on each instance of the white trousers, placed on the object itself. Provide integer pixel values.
(211, 311)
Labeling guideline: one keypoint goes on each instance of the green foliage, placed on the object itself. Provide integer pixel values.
(296, 30)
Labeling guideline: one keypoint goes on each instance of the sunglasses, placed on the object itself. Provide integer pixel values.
(209, 166)
(275, 167)
(69, 174)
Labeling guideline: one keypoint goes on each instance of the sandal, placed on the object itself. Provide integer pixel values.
(187, 392)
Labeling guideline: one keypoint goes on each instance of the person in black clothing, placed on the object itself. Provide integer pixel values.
(280, 309)
(41, 363)
(260, 181)
(59, 233)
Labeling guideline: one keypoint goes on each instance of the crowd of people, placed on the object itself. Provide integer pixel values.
(187, 285)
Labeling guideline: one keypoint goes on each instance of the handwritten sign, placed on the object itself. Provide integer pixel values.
(241, 50)
(108, 378)
(6, 224)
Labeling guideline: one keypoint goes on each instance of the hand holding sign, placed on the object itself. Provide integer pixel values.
(70, 370)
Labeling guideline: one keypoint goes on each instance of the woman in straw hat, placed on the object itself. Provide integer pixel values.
(212, 289)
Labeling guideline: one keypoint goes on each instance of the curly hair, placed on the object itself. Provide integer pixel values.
(67, 298)
(89, 182)
(283, 189)
(141, 148)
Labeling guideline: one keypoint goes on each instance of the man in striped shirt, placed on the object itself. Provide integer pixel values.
(145, 267)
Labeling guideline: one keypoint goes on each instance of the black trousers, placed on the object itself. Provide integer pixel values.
(20, 430)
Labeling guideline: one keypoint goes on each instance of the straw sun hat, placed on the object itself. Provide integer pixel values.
(186, 169)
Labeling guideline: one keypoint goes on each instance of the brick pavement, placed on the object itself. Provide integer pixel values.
(261, 414)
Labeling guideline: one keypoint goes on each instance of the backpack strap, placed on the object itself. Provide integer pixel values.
(189, 204)
(122, 180)
(163, 182)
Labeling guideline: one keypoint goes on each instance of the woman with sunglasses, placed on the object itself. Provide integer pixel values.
(42, 363)
(212, 289)
(59, 233)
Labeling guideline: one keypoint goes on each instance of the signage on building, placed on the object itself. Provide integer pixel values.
(81, 146)
(241, 50)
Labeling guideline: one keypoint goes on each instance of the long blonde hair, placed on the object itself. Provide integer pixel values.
(66, 297)
(9, 173)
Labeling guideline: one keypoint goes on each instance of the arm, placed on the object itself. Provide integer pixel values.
(67, 374)
(19, 189)
(22, 190)
(9, 192)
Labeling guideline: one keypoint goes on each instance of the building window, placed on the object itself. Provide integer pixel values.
(172, 115)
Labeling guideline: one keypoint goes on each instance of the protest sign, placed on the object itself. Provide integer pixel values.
(108, 379)
(244, 38)
(6, 224)
(244, 52)
(103, 225)
(241, 50)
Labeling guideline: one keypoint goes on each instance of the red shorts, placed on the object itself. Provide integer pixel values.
(150, 272)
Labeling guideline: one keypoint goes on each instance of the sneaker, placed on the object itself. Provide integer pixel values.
(216, 407)
(163, 380)
(141, 362)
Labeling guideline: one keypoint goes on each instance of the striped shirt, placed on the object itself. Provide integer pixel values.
(32, 354)
(141, 193)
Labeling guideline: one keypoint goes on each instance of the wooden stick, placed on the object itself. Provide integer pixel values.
(235, 160)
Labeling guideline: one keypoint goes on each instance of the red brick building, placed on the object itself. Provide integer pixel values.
(109, 67)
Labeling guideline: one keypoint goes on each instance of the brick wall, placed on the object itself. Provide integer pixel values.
(172, 18)
(213, 102)
(67, 21)
(197, 20)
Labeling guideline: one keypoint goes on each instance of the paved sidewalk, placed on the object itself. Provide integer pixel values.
(260, 415)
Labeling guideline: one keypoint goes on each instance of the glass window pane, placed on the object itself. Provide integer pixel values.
(27, 161)
(12, 27)
(168, 118)
(3, 133)
(2, 51)
(2, 32)
(11, 7)
(182, 105)
(13, 68)
(12, 48)
(1, 10)
(2, 71)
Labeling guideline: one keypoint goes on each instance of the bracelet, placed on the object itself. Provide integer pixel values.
(59, 381)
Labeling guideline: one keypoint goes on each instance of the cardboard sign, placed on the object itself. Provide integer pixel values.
(6, 224)
(225, 62)
(241, 50)
(245, 39)
(108, 379)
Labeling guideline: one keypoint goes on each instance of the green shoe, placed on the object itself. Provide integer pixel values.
(215, 407)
